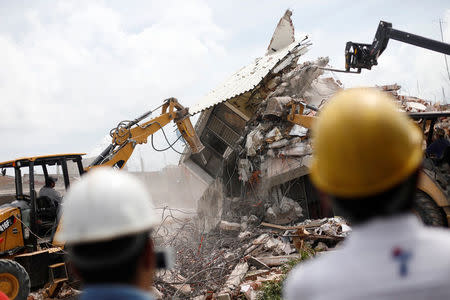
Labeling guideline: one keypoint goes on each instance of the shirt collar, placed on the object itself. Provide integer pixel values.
(385, 230)
(113, 292)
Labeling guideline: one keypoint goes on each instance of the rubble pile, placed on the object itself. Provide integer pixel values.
(415, 104)
(407, 103)
(272, 145)
(269, 136)
(66, 292)
(236, 259)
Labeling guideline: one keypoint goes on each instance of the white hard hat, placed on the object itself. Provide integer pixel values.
(105, 204)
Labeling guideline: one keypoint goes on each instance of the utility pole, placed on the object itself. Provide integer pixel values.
(445, 56)
(444, 101)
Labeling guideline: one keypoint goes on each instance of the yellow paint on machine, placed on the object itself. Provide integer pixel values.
(11, 235)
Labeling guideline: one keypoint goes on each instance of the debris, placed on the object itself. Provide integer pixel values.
(244, 235)
(273, 135)
(261, 239)
(256, 262)
(235, 278)
(415, 106)
(254, 141)
(253, 275)
(321, 247)
(156, 293)
(249, 292)
(284, 212)
(276, 106)
(223, 296)
(298, 130)
(244, 169)
(224, 225)
(279, 144)
(253, 220)
(175, 280)
(275, 261)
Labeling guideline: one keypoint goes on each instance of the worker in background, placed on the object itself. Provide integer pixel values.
(106, 225)
(439, 146)
(367, 159)
(48, 190)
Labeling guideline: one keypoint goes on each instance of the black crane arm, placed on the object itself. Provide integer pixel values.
(364, 56)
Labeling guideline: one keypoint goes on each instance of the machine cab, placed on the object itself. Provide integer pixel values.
(37, 215)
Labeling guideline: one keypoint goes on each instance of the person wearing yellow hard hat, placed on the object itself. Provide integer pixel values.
(367, 158)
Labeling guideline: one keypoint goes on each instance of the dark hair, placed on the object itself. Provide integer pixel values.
(113, 261)
(397, 200)
(49, 181)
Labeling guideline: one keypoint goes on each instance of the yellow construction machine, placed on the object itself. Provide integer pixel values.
(28, 224)
(432, 197)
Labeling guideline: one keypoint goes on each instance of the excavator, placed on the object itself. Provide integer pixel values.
(29, 259)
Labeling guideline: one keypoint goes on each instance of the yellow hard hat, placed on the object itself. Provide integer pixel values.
(363, 144)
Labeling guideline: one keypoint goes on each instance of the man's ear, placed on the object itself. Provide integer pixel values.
(149, 255)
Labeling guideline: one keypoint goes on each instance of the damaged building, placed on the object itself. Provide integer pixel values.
(234, 163)
(255, 160)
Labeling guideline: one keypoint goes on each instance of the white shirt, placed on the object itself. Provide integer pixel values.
(391, 258)
(51, 193)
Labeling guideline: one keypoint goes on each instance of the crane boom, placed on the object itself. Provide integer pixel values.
(363, 56)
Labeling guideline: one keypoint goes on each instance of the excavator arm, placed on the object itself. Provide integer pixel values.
(296, 116)
(128, 134)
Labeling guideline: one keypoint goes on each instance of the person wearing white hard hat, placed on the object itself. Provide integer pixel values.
(107, 219)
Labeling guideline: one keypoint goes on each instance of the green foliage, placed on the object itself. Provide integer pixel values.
(307, 252)
(290, 265)
(271, 290)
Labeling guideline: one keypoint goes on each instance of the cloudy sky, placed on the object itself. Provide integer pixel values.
(71, 70)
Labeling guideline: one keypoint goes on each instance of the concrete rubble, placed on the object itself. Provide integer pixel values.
(66, 292)
(264, 215)
(229, 261)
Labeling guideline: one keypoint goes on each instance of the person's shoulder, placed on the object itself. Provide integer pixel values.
(305, 278)
(436, 235)
(435, 242)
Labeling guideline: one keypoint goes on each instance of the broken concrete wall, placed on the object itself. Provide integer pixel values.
(209, 206)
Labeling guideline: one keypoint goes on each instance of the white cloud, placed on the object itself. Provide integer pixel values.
(71, 70)
(78, 70)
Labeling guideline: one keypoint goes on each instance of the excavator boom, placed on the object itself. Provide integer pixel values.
(128, 134)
